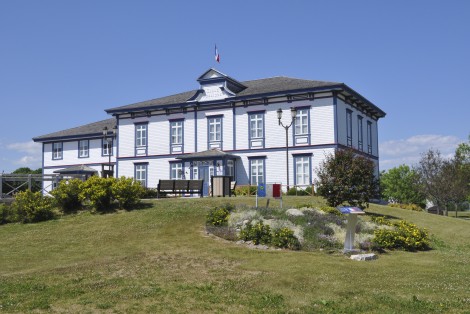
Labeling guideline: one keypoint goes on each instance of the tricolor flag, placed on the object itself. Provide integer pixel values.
(217, 56)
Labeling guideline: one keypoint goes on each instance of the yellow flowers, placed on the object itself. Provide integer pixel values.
(405, 235)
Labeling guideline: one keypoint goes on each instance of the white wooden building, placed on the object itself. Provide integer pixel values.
(225, 127)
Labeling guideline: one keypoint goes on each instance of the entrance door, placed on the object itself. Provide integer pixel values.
(204, 174)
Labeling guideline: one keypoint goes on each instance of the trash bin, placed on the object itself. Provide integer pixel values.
(220, 186)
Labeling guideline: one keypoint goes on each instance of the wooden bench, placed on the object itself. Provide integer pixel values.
(180, 187)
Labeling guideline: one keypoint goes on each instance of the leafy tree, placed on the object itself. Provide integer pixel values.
(345, 177)
(27, 170)
(400, 184)
(443, 181)
(462, 154)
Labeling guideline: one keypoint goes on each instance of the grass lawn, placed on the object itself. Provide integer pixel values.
(160, 259)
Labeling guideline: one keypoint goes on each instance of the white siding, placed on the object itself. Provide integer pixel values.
(322, 122)
(70, 154)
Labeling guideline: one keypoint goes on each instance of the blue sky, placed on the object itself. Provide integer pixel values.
(63, 62)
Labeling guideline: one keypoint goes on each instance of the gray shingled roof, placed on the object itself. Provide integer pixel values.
(278, 84)
(92, 129)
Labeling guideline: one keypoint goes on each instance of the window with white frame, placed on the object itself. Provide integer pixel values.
(215, 129)
(302, 170)
(231, 169)
(141, 174)
(360, 137)
(141, 135)
(256, 171)
(176, 131)
(176, 171)
(107, 148)
(83, 148)
(256, 125)
(369, 137)
(349, 127)
(57, 150)
(301, 122)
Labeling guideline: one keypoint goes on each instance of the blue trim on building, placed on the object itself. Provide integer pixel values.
(110, 149)
(360, 133)
(117, 148)
(250, 160)
(221, 142)
(61, 151)
(88, 149)
(234, 127)
(145, 147)
(263, 138)
(146, 164)
(309, 155)
(308, 134)
(195, 129)
(335, 118)
(228, 101)
(172, 145)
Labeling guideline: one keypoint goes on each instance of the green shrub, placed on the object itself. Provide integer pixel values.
(299, 191)
(98, 192)
(258, 233)
(127, 192)
(331, 210)
(67, 195)
(285, 238)
(217, 216)
(7, 214)
(405, 235)
(33, 207)
(150, 193)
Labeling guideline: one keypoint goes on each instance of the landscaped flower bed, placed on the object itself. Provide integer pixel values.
(308, 228)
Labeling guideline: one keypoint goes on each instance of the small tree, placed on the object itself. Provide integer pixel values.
(345, 177)
(444, 182)
(399, 184)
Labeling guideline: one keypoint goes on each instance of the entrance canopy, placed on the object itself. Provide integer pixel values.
(211, 154)
(82, 169)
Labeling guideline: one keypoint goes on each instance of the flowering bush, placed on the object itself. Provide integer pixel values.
(245, 190)
(285, 238)
(413, 207)
(33, 207)
(67, 195)
(405, 235)
(258, 233)
(98, 192)
(127, 192)
(217, 216)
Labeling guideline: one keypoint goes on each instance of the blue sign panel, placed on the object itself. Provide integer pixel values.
(262, 190)
(351, 210)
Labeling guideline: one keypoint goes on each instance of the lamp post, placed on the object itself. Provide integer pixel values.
(109, 140)
(293, 113)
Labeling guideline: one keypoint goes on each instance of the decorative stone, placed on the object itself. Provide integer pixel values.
(294, 212)
(364, 257)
